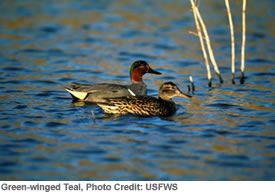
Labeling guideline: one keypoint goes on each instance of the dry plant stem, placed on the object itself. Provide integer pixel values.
(208, 44)
(232, 40)
(192, 83)
(193, 33)
(233, 78)
(194, 8)
(243, 44)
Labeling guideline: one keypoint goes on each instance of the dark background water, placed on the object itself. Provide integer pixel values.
(223, 133)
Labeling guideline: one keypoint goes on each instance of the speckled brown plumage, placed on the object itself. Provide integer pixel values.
(145, 105)
(139, 105)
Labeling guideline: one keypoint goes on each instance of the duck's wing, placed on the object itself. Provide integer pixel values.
(137, 105)
(96, 92)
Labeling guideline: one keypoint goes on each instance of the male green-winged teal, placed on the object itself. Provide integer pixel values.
(145, 105)
(97, 92)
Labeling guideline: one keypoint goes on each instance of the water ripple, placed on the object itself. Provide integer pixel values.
(223, 133)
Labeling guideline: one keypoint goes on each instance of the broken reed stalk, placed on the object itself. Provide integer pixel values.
(208, 44)
(243, 44)
(192, 83)
(194, 8)
(232, 40)
(193, 33)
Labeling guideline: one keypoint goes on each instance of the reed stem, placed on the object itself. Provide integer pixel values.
(232, 40)
(243, 43)
(195, 12)
(192, 83)
(208, 44)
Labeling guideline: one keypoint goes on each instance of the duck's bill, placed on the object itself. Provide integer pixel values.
(153, 71)
(180, 94)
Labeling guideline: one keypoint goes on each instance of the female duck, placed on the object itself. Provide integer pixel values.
(145, 105)
(97, 92)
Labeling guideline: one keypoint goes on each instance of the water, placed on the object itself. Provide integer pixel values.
(223, 133)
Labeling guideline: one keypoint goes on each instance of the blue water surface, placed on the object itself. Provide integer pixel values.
(224, 133)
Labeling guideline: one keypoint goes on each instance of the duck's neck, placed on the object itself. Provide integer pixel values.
(136, 75)
(136, 78)
(165, 98)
